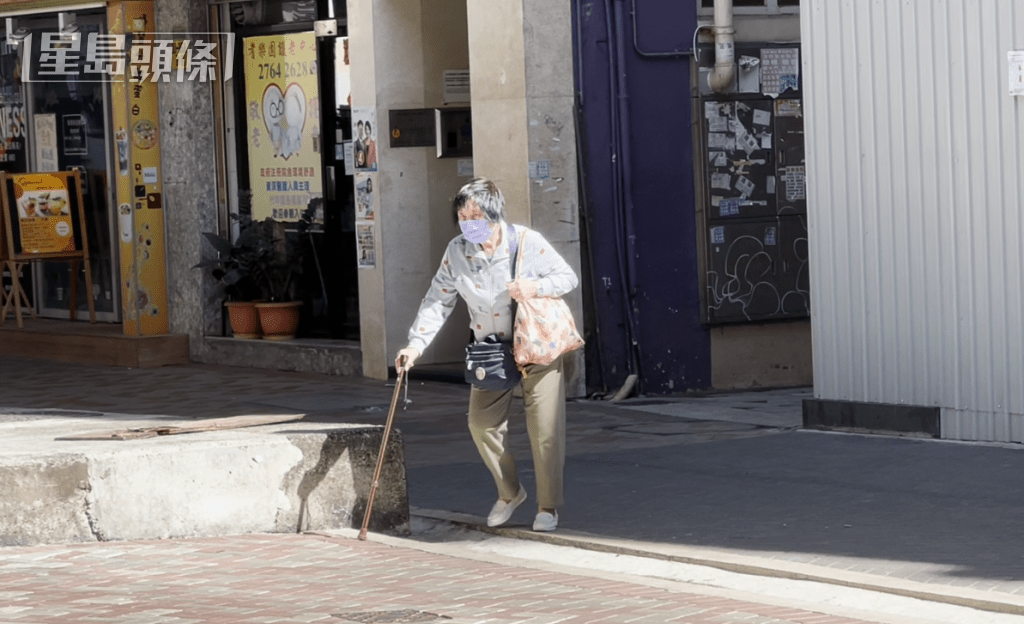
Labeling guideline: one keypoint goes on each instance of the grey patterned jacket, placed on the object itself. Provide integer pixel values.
(483, 283)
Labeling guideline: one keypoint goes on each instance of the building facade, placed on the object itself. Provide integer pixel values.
(687, 294)
(371, 108)
(593, 118)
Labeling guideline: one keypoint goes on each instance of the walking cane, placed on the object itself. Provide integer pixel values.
(380, 455)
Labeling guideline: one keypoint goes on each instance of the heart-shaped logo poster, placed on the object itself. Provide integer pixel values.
(284, 115)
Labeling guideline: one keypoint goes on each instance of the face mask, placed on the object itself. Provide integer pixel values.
(476, 231)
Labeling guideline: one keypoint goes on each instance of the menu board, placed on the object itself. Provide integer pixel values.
(42, 215)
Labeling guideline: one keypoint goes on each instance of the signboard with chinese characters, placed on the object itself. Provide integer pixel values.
(283, 129)
(136, 120)
(130, 46)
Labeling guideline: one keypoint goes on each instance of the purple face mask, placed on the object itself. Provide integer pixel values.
(476, 231)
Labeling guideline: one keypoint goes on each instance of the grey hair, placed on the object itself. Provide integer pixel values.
(484, 194)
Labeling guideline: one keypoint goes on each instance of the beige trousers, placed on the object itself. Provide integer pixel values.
(544, 400)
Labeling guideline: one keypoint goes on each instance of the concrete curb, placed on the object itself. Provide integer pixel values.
(278, 478)
(947, 594)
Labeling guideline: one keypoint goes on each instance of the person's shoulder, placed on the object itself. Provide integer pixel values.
(458, 243)
(530, 234)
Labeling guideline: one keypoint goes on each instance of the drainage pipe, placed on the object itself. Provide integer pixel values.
(626, 170)
(722, 76)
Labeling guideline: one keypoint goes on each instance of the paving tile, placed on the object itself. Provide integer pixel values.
(436, 438)
(342, 584)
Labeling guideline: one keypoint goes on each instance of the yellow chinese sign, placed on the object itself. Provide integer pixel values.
(44, 214)
(283, 113)
(136, 116)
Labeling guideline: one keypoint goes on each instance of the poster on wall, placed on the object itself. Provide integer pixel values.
(46, 141)
(366, 249)
(364, 196)
(364, 138)
(342, 73)
(283, 115)
(780, 70)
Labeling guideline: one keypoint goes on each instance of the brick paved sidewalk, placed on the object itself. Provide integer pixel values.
(313, 578)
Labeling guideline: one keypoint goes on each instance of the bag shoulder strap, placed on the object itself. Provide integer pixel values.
(512, 248)
(515, 260)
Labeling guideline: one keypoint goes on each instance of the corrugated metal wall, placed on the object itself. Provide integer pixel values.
(916, 174)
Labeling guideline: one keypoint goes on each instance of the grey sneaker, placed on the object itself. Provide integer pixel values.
(502, 511)
(545, 521)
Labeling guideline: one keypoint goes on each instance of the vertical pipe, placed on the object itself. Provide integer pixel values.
(725, 50)
(625, 167)
(624, 146)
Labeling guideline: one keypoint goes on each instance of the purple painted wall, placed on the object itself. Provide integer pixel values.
(643, 300)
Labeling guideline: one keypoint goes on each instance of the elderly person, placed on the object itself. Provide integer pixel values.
(476, 265)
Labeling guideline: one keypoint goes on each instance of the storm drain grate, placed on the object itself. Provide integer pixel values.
(391, 617)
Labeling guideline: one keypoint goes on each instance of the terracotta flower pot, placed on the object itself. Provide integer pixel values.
(245, 321)
(279, 320)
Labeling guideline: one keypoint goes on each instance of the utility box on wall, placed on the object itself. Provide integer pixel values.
(454, 132)
(753, 213)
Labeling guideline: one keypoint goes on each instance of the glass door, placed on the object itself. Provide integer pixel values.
(67, 121)
(263, 163)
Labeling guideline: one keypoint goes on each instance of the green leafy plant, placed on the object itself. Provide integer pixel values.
(231, 268)
(261, 263)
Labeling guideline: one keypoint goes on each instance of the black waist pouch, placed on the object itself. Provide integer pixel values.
(491, 365)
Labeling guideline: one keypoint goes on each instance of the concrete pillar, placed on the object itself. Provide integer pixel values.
(523, 131)
(520, 59)
(398, 50)
(385, 50)
(189, 168)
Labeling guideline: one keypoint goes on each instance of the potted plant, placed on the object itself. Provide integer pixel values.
(232, 271)
(277, 262)
(258, 272)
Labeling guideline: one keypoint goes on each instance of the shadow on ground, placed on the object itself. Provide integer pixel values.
(861, 503)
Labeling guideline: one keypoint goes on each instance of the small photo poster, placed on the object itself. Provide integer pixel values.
(365, 185)
(364, 138)
(366, 248)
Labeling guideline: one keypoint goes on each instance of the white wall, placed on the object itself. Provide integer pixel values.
(915, 168)
(398, 50)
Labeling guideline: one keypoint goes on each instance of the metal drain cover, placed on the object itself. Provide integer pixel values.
(391, 617)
